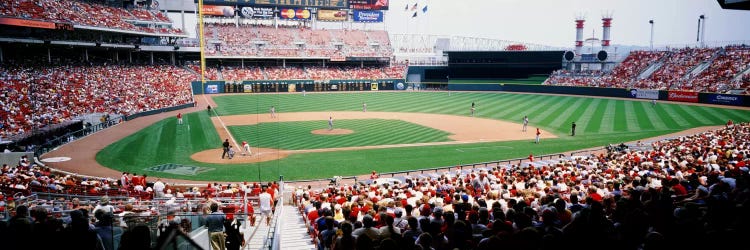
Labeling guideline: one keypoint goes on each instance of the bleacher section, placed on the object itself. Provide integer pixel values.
(691, 69)
(88, 14)
(264, 41)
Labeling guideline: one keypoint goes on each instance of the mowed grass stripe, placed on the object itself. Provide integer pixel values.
(621, 121)
(672, 111)
(664, 115)
(735, 114)
(563, 114)
(711, 115)
(598, 115)
(651, 115)
(581, 116)
(534, 103)
(630, 117)
(550, 112)
(505, 104)
(693, 118)
(544, 106)
(608, 119)
(640, 114)
(569, 105)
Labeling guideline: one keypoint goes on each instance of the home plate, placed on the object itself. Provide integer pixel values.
(56, 159)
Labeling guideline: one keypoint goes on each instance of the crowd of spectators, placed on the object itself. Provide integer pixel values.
(690, 192)
(317, 73)
(38, 96)
(87, 14)
(230, 39)
(673, 73)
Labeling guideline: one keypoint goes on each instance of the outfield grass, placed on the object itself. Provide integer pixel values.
(600, 122)
(296, 135)
(537, 79)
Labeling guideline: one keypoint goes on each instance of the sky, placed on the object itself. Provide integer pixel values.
(551, 22)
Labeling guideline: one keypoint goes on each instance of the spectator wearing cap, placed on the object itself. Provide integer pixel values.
(104, 205)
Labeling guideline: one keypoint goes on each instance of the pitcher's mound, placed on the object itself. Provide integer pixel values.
(336, 131)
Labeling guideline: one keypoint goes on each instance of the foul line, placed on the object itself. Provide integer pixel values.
(237, 146)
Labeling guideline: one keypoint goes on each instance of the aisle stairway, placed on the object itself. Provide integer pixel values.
(294, 234)
(256, 240)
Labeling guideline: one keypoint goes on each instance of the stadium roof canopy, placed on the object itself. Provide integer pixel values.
(734, 4)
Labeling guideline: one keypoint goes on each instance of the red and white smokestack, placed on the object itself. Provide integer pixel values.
(606, 24)
(579, 35)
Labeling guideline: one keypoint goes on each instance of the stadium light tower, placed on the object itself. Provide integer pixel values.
(651, 42)
(702, 30)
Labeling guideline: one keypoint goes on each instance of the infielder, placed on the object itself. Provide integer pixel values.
(273, 112)
(537, 135)
(364, 107)
(330, 123)
(525, 122)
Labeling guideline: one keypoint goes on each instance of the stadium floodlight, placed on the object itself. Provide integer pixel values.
(652, 33)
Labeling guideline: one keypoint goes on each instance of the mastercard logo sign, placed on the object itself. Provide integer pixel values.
(295, 14)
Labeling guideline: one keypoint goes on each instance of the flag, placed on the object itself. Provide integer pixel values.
(414, 7)
(415, 14)
(424, 10)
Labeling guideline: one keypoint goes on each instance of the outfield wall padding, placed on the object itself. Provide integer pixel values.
(279, 86)
(157, 111)
(707, 98)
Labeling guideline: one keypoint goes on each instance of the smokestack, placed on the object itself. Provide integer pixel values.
(579, 34)
(606, 24)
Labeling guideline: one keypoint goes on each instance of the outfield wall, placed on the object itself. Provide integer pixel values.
(678, 96)
(275, 86)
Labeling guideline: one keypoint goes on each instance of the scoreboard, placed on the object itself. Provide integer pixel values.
(332, 4)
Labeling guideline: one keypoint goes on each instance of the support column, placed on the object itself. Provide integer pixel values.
(49, 55)
(86, 54)
(173, 58)
(130, 56)
(1, 54)
(152, 58)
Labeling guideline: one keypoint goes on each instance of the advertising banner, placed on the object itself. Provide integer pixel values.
(683, 96)
(368, 16)
(26, 23)
(737, 100)
(368, 4)
(331, 4)
(374, 86)
(212, 89)
(214, 10)
(644, 94)
(298, 14)
(247, 88)
(257, 12)
(332, 15)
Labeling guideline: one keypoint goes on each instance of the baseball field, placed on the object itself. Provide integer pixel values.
(399, 131)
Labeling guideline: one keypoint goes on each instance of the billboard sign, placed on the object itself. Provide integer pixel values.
(368, 4)
(215, 10)
(368, 16)
(644, 94)
(683, 96)
(297, 14)
(256, 12)
(331, 4)
(332, 15)
(737, 100)
(212, 89)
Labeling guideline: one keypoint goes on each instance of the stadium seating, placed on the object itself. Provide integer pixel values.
(677, 70)
(603, 195)
(58, 94)
(265, 41)
(86, 14)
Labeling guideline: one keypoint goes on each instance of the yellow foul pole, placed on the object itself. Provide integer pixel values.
(202, 41)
